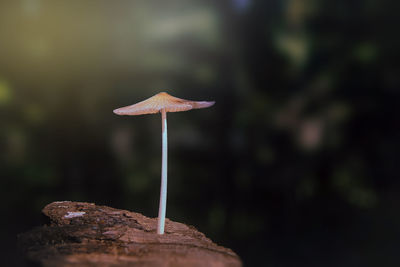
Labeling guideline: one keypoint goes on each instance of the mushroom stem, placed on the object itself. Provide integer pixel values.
(163, 191)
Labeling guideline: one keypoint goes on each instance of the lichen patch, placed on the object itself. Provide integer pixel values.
(73, 214)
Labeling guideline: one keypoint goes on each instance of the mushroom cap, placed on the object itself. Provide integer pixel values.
(161, 101)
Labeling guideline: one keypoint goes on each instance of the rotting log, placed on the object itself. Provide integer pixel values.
(84, 234)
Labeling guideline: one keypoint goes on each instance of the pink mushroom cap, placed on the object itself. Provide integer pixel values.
(161, 101)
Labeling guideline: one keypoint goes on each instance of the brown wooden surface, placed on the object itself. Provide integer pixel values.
(83, 234)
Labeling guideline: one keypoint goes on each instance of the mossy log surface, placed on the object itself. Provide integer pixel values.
(84, 234)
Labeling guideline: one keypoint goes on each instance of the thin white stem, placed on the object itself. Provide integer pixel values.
(163, 191)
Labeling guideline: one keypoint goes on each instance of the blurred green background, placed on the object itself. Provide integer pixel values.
(295, 165)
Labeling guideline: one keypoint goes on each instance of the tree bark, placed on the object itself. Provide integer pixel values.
(84, 234)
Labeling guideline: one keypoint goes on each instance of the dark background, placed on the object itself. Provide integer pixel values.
(295, 165)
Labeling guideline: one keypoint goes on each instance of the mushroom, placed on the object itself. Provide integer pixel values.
(162, 103)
